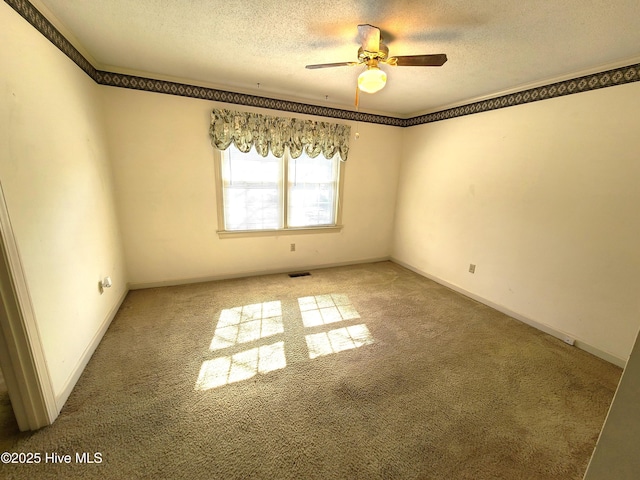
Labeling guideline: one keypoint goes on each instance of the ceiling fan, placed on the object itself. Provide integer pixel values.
(372, 52)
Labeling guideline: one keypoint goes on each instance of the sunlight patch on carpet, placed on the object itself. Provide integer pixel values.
(247, 323)
(246, 326)
(325, 309)
(338, 340)
(241, 366)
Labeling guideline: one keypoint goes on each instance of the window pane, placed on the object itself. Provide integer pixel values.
(312, 191)
(251, 190)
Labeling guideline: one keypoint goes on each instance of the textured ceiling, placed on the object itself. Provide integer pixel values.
(262, 47)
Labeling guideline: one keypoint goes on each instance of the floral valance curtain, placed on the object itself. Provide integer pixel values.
(266, 133)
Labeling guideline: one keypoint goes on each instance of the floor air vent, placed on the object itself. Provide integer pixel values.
(300, 274)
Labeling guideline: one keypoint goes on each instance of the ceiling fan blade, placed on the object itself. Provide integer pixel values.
(369, 38)
(436, 60)
(329, 65)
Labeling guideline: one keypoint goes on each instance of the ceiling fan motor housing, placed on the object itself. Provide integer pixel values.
(380, 55)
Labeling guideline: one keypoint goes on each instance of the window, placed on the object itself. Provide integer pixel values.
(252, 194)
(261, 194)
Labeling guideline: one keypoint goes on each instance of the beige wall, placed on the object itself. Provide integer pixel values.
(55, 173)
(543, 198)
(164, 181)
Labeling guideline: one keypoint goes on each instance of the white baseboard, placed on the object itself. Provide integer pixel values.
(62, 397)
(228, 276)
(535, 324)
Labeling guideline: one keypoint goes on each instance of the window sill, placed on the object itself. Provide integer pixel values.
(276, 233)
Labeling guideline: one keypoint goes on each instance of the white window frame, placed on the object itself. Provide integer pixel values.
(286, 230)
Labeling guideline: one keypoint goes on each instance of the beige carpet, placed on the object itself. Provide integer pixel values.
(362, 372)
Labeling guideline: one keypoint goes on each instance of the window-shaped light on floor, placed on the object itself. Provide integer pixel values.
(241, 366)
(333, 341)
(246, 324)
(325, 309)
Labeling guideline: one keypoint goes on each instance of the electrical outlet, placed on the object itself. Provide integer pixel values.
(293, 247)
(472, 268)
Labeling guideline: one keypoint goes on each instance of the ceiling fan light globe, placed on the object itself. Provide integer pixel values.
(372, 80)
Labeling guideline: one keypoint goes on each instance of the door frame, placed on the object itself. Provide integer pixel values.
(22, 357)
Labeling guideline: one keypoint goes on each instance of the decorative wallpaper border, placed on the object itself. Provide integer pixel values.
(609, 78)
(184, 90)
(32, 15)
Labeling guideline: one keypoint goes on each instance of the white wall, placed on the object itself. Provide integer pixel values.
(56, 177)
(165, 187)
(543, 198)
